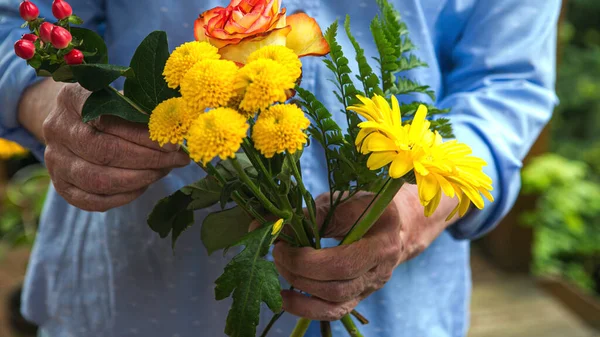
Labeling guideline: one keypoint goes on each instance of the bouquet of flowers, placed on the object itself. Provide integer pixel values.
(232, 100)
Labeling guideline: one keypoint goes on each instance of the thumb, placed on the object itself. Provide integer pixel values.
(344, 216)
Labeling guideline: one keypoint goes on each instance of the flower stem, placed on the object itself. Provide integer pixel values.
(301, 327)
(350, 326)
(309, 203)
(126, 99)
(274, 319)
(257, 193)
(374, 213)
(362, 319)
(326, 329)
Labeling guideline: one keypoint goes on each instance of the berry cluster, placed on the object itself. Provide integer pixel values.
(49, 42)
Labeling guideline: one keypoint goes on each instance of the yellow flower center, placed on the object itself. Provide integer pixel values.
(170, 121)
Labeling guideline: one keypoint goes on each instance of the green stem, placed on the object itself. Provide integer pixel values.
(350, 326)
(274, 319)
(362, 319)
(258, 194)
(309, 204)
(374, 213)
(301, 327)
(326, 329)
(298, 228)
(126, 99)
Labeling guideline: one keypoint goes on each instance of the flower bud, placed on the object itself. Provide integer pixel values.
(30, 37)
(28, 11)
(60, 37)
(61, 9)
(74, 57)
(25, 49)
(46, 31)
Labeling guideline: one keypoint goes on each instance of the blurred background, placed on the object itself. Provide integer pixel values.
(537, 274)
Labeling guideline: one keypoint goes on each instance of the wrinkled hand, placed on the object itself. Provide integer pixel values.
(104, 164)
(339, 278)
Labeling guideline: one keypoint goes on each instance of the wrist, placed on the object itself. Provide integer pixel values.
(35, 104)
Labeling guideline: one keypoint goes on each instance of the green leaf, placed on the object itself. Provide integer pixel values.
(171, 212)
(205, 193)
(221, 230)
(92, 43)
(35, 62)
(249, 280)
(95, 77)
(108, 102)
(63, 74)
(149, 88)
(75, 20)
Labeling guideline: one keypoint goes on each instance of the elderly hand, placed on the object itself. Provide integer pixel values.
(339, 278)
(104, 164)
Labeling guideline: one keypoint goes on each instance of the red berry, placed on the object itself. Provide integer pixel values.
(74, 57)
(29, 11)
(46, 31)
(60, 37)
(61, 9)
(25, 49)
(30, 37)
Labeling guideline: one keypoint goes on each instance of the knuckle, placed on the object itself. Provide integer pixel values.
(107, 149)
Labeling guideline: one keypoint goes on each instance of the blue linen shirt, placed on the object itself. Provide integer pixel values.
(108, 274)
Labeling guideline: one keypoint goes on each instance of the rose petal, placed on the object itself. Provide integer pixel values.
(306, 37)
(240, 51)
(202, 21)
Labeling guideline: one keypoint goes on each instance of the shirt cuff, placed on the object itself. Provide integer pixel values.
(476, 222)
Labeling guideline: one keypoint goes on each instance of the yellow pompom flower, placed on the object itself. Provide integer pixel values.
(439, 167)
(209, 84)
(10, 149)
(219, 132)
(184, 58)
(170, 121)
(280, 128)
(261, 83)
(282, 55)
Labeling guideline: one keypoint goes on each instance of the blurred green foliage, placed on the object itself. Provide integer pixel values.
(21, 206)
(567, 214)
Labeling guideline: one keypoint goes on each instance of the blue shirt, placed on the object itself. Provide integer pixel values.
(108, 274)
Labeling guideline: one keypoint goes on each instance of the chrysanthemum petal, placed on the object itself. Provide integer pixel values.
(401, 165)
(378, 160)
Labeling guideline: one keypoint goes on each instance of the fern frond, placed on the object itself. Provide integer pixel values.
(366, 75)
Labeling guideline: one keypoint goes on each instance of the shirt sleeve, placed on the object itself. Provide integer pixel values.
(16, 75)
(499, 84)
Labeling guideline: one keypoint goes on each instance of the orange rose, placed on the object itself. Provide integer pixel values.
(247, 25)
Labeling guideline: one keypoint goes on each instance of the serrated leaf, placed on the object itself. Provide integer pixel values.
(95, 77)
(149, 88)
(221, 230)
(250, 280)
(108, 102)
(204, 193)
(171, 212)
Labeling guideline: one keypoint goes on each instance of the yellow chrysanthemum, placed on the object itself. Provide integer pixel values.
(170, 121)
(184, 58)
(449, 168)
(280, 128)
(10, 149)
(439, 167)
(261, 83)
(219, 132)
(209, 84)
(282, 55)
(277, 227)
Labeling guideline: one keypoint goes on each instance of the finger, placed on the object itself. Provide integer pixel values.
(93, 202)
(97, 179)
(134, 132)
(315, 308)
(109, 150)
(339, 263)
(345, 216)
(332, 291)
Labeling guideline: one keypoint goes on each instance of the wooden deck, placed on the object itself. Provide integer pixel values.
(507, 305)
